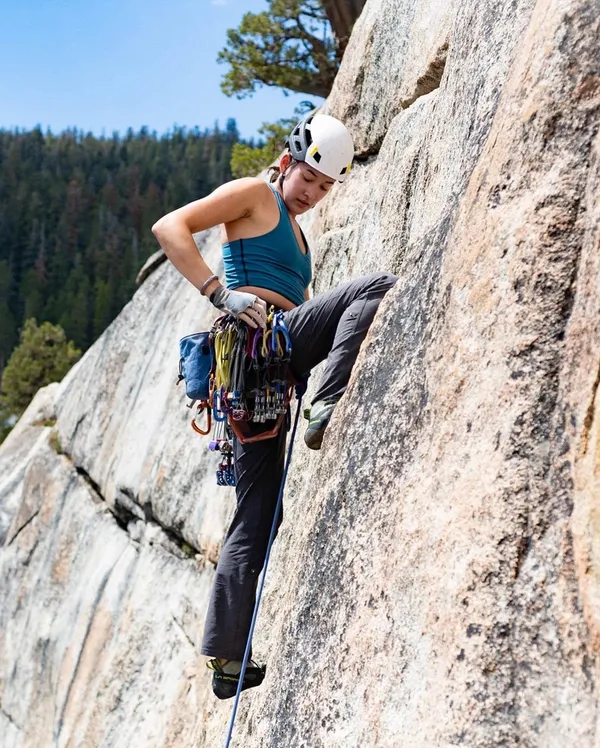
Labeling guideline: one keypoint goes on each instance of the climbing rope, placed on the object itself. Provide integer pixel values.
(299, 393)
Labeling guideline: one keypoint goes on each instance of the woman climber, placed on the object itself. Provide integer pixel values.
(267, 261)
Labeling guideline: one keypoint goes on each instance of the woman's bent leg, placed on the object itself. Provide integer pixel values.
(333, 325)
(259, 470)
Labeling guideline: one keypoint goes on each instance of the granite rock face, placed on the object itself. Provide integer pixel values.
(435, 581)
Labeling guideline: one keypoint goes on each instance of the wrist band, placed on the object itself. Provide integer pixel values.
(208, 282)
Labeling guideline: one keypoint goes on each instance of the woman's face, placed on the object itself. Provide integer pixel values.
(303, 185)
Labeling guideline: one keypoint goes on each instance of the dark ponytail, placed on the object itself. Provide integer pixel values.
(274, 173)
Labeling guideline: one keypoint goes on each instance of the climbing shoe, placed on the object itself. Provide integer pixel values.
(318, 416)
(225, 683)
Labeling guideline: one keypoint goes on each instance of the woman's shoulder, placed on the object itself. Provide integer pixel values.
(251, 195)
(250, 185)
(253, 191)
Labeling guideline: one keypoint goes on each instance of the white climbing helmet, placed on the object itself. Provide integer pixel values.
(324, 143)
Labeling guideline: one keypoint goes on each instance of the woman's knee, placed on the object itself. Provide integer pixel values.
(384, 280)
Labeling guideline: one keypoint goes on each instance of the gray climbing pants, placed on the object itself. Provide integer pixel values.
(330, 326)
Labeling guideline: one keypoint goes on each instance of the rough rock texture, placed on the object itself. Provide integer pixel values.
(397, 53)
(30, 433)
(436, 579)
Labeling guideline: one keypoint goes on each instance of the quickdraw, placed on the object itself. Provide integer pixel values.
(250, 382)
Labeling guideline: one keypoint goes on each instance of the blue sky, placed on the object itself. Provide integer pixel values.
(105, 65)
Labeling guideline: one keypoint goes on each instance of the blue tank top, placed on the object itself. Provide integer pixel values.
(273, 260)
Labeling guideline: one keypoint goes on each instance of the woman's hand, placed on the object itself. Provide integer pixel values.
(244, 306)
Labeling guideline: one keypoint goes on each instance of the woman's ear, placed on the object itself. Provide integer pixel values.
(284, 162)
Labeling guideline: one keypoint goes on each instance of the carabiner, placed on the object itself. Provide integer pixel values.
(280, 326)
(203, 405)
(259, 334)
(265, 343)
(218, 406)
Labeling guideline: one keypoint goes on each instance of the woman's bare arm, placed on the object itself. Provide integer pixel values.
(230, 202)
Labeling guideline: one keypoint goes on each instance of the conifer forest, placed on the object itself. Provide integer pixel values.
(76, 212)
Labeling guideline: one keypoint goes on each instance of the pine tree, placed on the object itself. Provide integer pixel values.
(43, 355)
(296, 45)
(289, 46)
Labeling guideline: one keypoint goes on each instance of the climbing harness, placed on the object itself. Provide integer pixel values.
(300, 389)
(236, 375)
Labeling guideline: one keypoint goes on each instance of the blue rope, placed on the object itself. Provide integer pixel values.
(299, 392)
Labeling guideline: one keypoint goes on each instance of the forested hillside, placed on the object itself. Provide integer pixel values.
(75, 218)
